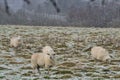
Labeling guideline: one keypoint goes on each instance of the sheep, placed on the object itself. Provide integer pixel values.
(100, 53)
(15, 41)
(44, 59)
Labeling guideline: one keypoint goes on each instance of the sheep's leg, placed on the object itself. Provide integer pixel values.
(33, 70)
(47, 68)
(38, 69)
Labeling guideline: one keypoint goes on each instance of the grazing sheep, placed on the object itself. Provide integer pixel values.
(15, 41)
(44, 59)
(100, 53)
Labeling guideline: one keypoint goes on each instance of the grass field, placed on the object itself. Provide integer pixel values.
(72, 46)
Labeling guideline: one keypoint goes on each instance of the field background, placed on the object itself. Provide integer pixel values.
(72, 46)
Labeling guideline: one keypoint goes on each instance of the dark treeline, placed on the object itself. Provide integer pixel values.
(83, 13)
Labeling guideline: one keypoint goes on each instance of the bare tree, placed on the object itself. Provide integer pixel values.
(27, 1)
(7, 8)
(102, 2)
(55, 5)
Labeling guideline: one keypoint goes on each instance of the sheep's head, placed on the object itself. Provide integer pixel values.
(19, 39)
(107, 59)
(49, 51)
(51, 55)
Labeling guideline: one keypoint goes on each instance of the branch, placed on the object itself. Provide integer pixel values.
(7, 7)
(55, 5)
(103, 2)
(92, 0)
(27, 1)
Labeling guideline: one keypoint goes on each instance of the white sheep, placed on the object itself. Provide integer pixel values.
(44, 59)
(100, 53)
(15, 41)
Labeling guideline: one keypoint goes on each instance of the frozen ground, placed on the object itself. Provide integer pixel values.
(72, 46)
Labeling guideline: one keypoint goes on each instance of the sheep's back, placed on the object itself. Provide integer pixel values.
(14, 42)
(99, 52)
